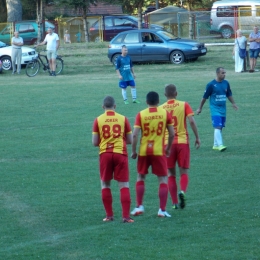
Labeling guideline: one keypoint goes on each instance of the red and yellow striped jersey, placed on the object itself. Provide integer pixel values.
(179, 111)
(153, 122)
(112, 129)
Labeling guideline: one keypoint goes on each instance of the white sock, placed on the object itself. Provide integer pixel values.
(218, 137)
(124, 93)
(133, 92)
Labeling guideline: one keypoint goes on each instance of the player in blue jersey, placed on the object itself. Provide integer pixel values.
(125, 72)
(218, 90)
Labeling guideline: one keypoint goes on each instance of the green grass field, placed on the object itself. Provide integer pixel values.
(50, 202)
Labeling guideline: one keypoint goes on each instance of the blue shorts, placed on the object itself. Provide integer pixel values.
(125, 84)
(254, 53)
(218, 121)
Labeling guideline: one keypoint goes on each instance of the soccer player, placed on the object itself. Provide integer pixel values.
(152, 121)
(125, 72)
(218, 90)
(112, 132)
(180, 150)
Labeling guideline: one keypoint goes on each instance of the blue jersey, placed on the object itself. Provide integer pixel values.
(124, 65)
(218, 93)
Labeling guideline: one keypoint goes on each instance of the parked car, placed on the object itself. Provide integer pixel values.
(28, 30)
(6, 52)
(114, 25)
(155, 45)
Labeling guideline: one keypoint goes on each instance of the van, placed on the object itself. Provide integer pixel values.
(229, 15)
(28, 30)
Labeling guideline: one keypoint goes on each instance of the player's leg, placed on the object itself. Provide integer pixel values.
(133, 91)
(106, 175)
(218, 123)
(121, 174)
(172, 184)
(123, 86)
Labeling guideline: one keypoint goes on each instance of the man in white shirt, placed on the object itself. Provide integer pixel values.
(53, 43)
(17, 43)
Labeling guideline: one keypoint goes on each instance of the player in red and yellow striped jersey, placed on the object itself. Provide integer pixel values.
(180, 151)
(112, 132)
(152, 121)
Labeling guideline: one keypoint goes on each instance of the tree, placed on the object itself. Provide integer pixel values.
(14, 10)
(81, 5)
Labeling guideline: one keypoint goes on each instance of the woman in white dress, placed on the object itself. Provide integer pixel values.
(240, 41)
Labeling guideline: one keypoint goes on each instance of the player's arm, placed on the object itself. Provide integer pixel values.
(95, 139)
(41, 43)
(134, 143)
(202, 102)
(129, 138)
(232, 101)
(57, 44)
(195, 130)
(170, 140)
(132, 70)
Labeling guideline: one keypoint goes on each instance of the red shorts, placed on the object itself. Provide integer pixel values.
(158, 163)
(113, 166)
(179, 153)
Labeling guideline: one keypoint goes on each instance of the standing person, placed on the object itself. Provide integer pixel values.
(152, 121)
(125, 72)
(111, 132)
(78, 37)
(240, 42)
(180, 150)
(53, 43)
(17, 43)
(218, 90)
(67, 37)
(254, 39)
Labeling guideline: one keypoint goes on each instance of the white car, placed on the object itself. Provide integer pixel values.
(6, 52)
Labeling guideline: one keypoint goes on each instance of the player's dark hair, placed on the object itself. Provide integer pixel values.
(152, 98)
(218, 69)
(108, 102)
(170, 90)
(124, 46)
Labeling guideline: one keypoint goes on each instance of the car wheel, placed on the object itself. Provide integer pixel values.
(177, 57)
(114, 58)
(6, 63)
(226, 32)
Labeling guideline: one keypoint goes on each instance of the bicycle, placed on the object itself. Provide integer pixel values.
(33, 67)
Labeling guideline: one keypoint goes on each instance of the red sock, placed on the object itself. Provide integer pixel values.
(172, 186)
(139, 186)
(107, 201)
(184, 180)
(125, 201)
(163, 194)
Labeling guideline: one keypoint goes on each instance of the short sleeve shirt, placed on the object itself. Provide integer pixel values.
(17, 40)
(51, 41)
(124, 65)
(254, 45)
(153, 122)
(112, 129)
(218, 93)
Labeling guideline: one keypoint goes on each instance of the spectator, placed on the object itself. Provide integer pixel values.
(240, 43)
(254, 39)
(17, 43)
(78, 37)
(67, 37)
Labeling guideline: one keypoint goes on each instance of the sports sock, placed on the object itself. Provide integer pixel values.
(184, 180)
(133, 92)
(107, 201)
(125, 201)
(124, 94)
(172, 186)
(139, 186)
(163, 195)
(218, 137)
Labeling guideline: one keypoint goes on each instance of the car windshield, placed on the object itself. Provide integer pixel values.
(167, 35)
(134, 18)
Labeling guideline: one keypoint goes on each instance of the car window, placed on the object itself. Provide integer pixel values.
(131, 38)
(146, 37)
(225, 11)
(166, 35)
(25, 28)
(108, 22)
(119, 39)
(257, 10)
(123, 22)
(245, 10)
(6, 30)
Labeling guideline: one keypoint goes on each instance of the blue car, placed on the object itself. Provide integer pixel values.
(155, 45)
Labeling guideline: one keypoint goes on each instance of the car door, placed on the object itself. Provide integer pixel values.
(123, 24)
(153, 47)
(5, 35)
(109, 30)
(133, 44)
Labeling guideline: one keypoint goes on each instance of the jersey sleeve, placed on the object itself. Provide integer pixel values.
(138, 121)
(188, 110)
(208, 91)
(128, 129)
(95, 129)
